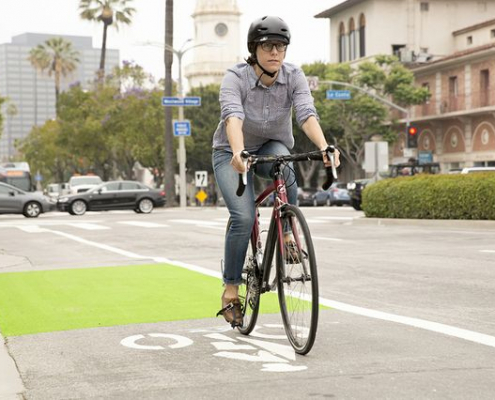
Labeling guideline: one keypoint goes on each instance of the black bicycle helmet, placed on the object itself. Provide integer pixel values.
(267, 28)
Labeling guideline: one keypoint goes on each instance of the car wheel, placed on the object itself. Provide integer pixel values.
(145, 206)
(137, 210)
(32, 209)
(78, 207)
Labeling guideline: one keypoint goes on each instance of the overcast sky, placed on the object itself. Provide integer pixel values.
(310, 35)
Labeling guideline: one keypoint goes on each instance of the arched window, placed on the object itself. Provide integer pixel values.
(352, 40)
(342, 46)
(362, 36)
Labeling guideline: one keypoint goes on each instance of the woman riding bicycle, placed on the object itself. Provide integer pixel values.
(256, 99)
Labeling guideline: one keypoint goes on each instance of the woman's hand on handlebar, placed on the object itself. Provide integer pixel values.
(238, 163)
(326, 159)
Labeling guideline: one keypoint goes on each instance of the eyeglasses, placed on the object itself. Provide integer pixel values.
(268, 46)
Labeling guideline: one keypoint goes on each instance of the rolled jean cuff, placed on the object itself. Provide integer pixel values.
(232, 282)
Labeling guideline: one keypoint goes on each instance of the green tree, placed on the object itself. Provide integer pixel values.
(57, 57)
(44, 152)
(350, 123)
(108, 12)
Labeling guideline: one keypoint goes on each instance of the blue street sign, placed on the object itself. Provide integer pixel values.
(338, 95)
(182, 128)
(38, 178)
(181, 101)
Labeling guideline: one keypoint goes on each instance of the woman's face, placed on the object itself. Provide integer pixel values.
(271, 54)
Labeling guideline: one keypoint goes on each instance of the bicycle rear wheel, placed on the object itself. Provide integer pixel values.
(249, 289)
(297, 281)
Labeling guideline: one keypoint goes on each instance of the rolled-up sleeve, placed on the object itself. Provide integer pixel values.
(302, 99)
(230, 96)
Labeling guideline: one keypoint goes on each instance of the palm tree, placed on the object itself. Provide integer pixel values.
(58, 57)
(109, 12)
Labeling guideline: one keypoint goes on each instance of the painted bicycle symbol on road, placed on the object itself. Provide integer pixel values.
(274, 357)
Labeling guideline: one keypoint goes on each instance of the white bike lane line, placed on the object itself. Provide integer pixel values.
(436, 327)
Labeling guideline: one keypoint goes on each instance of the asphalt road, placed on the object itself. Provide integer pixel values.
(411, 314)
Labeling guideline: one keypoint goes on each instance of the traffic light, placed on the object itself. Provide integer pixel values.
(412, 137)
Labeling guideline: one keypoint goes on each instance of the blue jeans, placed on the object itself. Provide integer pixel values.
(242, 208)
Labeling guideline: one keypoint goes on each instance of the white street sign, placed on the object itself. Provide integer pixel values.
(201, 178)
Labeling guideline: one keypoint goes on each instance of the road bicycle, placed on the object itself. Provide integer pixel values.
(288, 241)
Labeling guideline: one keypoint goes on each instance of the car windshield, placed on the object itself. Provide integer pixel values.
(85, 180)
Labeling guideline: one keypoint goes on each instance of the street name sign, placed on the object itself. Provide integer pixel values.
(338, 95)
(181, 101)
(182, 128)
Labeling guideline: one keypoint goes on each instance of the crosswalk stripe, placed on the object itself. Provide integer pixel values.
(143, 224)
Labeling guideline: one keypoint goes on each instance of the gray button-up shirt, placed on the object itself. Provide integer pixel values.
(266, 111)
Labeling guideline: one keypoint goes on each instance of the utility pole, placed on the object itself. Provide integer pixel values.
(169, 172)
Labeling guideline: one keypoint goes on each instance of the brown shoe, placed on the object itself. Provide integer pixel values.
(231, 311)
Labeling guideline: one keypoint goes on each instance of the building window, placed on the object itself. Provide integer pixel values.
(453, 92)
(484, 87)
(342, 47)
(362, 36)
(469, 40)
(352, 40)
(424, 6)
(492, 33)
(396, 50)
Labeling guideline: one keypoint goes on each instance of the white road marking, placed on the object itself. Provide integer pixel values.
(143, 224)
(89, 227)
(325, 238)
(198, 222)
(487, 251)
(32, 229)
(181, 341)
(465, 334)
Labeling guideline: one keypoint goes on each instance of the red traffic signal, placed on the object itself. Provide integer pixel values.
(412, 137)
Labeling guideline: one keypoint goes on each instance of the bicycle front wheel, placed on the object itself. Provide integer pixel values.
(297, 280)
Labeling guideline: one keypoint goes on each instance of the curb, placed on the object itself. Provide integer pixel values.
(11, 386)
(439, 223)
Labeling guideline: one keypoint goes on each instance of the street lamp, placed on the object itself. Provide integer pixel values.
(180, 89)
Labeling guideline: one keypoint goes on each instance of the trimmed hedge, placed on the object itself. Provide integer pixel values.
(459, 196)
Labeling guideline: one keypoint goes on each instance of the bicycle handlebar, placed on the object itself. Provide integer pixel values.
(331, 171)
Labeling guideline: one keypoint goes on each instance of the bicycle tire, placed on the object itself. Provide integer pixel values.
(297, 281)
(249, 289)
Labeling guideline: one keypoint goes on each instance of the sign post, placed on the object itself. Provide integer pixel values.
(181, 129)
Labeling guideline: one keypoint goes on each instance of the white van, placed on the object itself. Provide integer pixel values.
(470, 170)
(82, 183)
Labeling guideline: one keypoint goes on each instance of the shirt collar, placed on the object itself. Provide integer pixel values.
(281, 77)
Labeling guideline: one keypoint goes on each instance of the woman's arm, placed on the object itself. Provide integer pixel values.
(312, 129)
(233, 127)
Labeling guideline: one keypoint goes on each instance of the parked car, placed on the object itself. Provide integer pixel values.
(338, 194)
(82, 183)
(471, 170)
(113, 195)
(17, 201)
(305, 196)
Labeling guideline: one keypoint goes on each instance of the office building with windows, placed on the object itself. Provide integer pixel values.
(30, 93)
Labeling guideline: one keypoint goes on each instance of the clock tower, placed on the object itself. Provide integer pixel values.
(216, 22)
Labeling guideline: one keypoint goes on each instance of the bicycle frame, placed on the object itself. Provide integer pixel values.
(265, 262)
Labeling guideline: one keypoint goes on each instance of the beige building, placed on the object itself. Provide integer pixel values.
(450, 47)
(217, 37)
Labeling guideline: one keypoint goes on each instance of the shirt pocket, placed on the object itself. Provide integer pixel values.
(283, 113)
